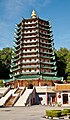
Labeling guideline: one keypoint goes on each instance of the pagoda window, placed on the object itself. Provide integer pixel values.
(30, 30)
(29, 70)
(26, 40)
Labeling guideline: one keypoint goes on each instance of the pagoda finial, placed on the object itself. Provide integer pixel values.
(33, 15)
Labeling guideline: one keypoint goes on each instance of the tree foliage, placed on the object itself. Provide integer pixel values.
(68, 66)
(63, 62)
(5, 60)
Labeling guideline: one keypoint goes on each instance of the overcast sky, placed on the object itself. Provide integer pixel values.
(57, 11)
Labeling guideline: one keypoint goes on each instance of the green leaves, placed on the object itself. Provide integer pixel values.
(5, 60)
(63, 62)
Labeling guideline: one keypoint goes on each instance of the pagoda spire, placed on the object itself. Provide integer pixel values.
(33, 15)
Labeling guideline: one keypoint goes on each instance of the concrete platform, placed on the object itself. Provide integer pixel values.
(36, 112)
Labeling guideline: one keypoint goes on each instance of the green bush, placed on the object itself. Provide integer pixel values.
(1, 83)
(64, 112)
(49, 113)
(67, 109)
(53, 113)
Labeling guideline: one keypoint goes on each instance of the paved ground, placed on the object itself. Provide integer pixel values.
(36, 112)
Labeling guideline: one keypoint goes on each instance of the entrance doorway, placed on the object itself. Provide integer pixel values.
(65, 98)
(51, 98)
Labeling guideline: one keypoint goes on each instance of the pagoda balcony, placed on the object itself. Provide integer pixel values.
(30, 46)
(16, 43)
(30, 36)
(48, 67)
(46, 34)
(29, 62)
(43, 28)
(45, 47)
(17, 55)
(34, 32)
(43, 37)
(18, 29)
(49, 73)
(29, 77)
(27, 28)
(16, 34)
(33, 41)
(10, 69)
(26, 24)
(11, 75)
(26, 73)
(15, 69)
(17, 37)
(50, 63)
(18, 74)
(17, 49)
(45, 43)
(48, 57)
(45, 25)
(15, 46)
(29, 23)
(14, 65)
(15, 40)
(47, 52)
(31, 66)
(19, 25)
(29, 56)
(16, 59)
(33, 51)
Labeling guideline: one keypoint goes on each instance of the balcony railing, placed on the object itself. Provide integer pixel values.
(31, 66)
(52, 63)
(49, 73)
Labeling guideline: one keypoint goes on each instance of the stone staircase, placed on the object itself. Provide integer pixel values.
(10, 101)
(14, 97)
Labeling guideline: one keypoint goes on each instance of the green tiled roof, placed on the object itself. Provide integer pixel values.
(52, 78)
(32, 77)
(50, 73)
(28, 77)
(8, 80)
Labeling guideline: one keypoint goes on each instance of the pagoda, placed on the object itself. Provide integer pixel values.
(34, 59)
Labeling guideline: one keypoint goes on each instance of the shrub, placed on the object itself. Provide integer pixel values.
(67, 109)
(64, 112)
(49, 113)
(1, 83)
(53, 113)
